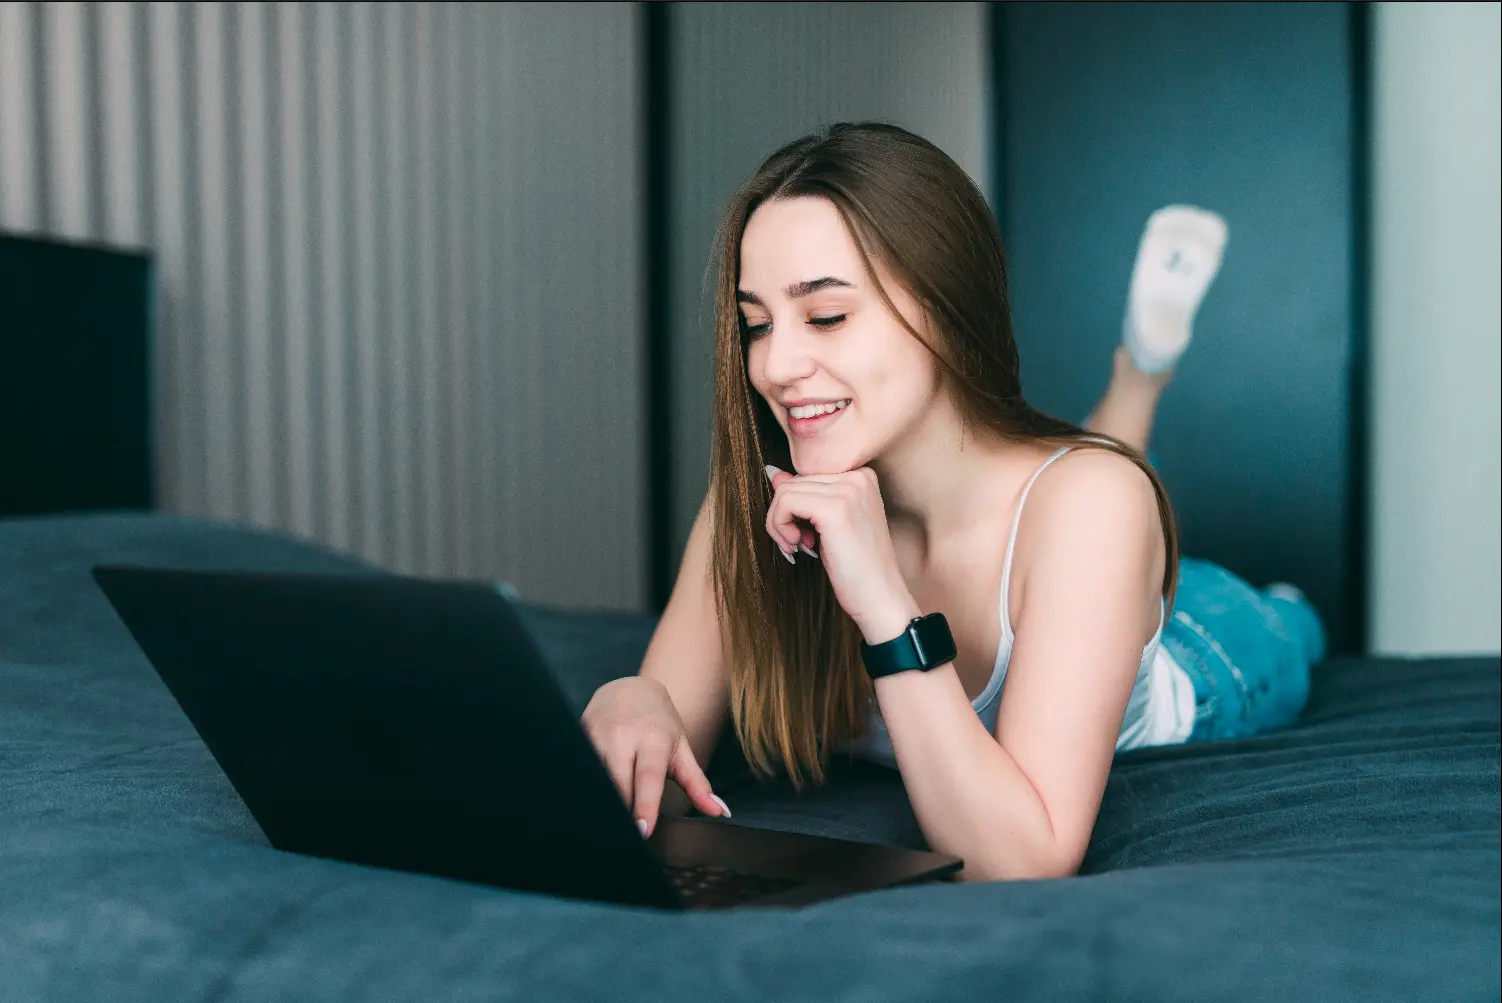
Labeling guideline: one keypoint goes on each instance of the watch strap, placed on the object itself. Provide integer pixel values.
(925, 644)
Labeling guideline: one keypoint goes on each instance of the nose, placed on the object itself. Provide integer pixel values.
(789, 354)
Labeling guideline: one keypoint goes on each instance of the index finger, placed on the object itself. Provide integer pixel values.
(651, 775)
(690, 776)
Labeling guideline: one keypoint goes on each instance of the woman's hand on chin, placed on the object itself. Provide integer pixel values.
(840, 519)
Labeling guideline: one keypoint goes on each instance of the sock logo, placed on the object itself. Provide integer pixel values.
(1178, 263)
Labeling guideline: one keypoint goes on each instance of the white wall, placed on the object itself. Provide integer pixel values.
(752, 76)
(398, 259)
(1436, 330)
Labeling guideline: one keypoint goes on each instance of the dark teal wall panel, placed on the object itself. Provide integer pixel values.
(1112, 110)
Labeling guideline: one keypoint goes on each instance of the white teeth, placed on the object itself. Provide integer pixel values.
(814, 410)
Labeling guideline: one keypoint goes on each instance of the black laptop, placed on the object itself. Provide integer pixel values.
(412, 724)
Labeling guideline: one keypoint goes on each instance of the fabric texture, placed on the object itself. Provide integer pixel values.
(1353, 856)
(1246, 652)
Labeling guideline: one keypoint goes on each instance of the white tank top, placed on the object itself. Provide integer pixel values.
(1160, 710)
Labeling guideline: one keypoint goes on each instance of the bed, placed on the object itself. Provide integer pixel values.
(1352, 857)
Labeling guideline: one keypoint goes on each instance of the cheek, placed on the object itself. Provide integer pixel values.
(928, 379)
(903, 377)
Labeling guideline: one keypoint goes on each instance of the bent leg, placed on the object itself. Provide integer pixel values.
(1130, 405)
(1247, 651)
(1178, 257)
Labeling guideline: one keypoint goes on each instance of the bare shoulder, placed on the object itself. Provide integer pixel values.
(1096, 485)
(1091, 502)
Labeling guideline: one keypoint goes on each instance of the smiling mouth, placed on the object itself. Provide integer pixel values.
(816, 410)
(810, 419)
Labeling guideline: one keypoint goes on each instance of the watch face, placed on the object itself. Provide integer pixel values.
(933, 639)
(926, 644)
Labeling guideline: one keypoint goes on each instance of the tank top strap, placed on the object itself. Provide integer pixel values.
(1006, 567)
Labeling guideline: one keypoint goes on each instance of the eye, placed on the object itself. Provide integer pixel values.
(754, 331)
(826, 323)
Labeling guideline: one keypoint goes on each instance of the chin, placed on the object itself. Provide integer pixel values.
(810, 459)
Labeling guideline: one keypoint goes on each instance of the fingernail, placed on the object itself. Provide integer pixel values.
(724, 808)
(641, 827)
(788, 554)
(804, 547)
(772, 471)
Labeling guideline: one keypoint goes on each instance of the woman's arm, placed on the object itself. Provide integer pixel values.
(1087, 573)
(686, 654)
(663, 723)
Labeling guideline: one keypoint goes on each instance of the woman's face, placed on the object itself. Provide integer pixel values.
(842, 375)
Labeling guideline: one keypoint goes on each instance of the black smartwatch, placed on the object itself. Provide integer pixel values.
(926, 644)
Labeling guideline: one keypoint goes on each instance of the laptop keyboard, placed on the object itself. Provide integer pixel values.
(717, 887)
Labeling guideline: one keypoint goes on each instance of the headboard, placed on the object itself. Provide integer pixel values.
(1108, 111)
(75, 412)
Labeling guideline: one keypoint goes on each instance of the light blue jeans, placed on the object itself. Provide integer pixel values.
(1246, 650)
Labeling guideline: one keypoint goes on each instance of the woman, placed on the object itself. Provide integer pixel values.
(874, 462)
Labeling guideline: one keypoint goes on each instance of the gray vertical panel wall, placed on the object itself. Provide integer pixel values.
(397, 251)
(750, 77)
(1113, 110)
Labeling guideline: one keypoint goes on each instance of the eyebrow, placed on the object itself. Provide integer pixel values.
(797, 290)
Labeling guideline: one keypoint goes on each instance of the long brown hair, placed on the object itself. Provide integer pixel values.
(798, 689)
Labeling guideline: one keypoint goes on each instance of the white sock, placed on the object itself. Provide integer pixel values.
(1177, 258)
